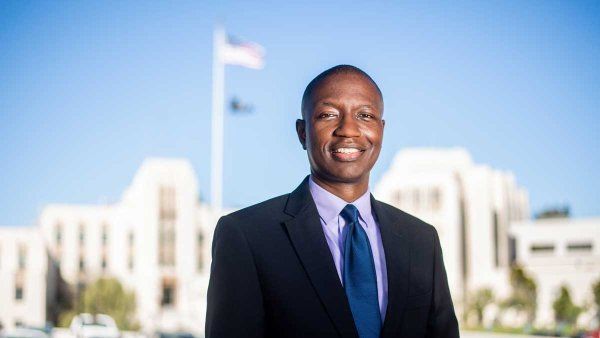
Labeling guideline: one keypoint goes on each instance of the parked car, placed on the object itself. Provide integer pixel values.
(592, 334)
(161, 334)
(24, 332)
(86, 325)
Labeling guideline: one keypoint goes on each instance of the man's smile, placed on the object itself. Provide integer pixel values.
(346, 154)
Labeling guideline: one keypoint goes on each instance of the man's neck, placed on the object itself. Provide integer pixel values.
(349, 192)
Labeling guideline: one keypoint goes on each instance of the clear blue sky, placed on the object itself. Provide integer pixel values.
(90, 89)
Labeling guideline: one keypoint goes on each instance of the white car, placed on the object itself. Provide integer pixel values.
(23, 332)
(86, 325)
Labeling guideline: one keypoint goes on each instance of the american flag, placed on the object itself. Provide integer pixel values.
(242, 53)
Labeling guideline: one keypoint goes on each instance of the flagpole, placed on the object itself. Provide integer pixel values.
(218, 98)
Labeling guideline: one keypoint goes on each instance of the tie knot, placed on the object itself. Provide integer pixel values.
(350, 213)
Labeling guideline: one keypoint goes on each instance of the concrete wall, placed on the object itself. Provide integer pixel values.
(470, 199)
(577, 269)
(31, 309)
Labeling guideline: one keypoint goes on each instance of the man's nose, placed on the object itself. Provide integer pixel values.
(347, 127)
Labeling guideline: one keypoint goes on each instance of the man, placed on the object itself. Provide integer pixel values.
(328, 260)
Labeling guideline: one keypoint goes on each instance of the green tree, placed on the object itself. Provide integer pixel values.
(565, 312)
(524, 293)
(596, 292)
(107, 296)
(479, 301)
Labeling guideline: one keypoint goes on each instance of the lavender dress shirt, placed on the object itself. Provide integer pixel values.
(329, 207)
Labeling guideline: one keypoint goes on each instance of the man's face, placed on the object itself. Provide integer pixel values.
(343, 128)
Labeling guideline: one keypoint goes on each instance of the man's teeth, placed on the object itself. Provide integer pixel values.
(346, 150)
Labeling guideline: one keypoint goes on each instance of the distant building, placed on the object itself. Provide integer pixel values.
(26, 277)
(556, 252)
(471, 206)
(156, 241)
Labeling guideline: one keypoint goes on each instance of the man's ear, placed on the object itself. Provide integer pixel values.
(301, 131)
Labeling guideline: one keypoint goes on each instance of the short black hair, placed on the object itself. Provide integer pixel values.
(339, 69)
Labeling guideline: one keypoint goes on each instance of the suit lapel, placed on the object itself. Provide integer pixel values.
(397, 258)
(306, 234)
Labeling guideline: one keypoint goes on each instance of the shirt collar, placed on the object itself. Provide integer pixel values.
(330, 206)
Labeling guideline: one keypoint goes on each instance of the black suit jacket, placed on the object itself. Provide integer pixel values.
(273, 275)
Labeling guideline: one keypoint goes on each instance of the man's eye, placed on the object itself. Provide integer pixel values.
(326, 115)
(366, 115)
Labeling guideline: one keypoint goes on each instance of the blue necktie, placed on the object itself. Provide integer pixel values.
(360, 281)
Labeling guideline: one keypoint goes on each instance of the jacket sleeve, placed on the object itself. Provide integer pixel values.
(442, 321)
(234, 300)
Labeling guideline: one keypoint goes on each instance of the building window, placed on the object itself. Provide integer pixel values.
(22, 259)
(81, 234)
(496, 238)
(104, 234)
(58, 239)
(130, 254)
(580, 247)
(512, 250)
(19, 293)
(416, 198)
(58, 234)
(167, 206)
(166, 239)
(81, 264)
(435, 199)
(542, 248)
(463, 241)
(168, 292)
(399, 198)
(200, 246)
(103, 264)
(166, 226)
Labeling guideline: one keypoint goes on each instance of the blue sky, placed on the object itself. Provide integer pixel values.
(90, 89)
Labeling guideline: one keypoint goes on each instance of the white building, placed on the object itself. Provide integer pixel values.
(556, 252)
(156, 241)
(470, 205)
(26, 277)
